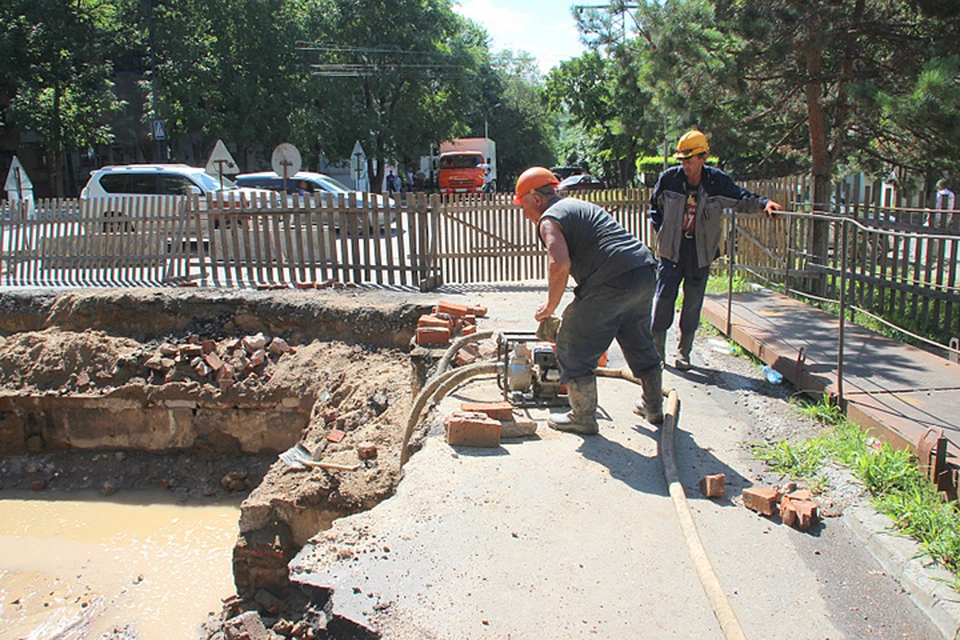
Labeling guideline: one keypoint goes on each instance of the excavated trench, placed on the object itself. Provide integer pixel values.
(232, 379)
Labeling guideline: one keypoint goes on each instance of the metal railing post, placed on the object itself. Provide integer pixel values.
(843, 303)
(730, 265)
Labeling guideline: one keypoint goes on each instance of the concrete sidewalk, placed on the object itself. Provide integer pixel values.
(563, 536)
(899, 391)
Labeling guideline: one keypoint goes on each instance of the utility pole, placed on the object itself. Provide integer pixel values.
(157, 129)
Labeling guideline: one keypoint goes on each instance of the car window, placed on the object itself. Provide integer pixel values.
(176, 185)
(333, 185)
(460, 162)
(212, 183)
(114, 183)
(141, 183)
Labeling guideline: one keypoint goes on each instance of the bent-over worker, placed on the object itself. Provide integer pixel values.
(616, 278)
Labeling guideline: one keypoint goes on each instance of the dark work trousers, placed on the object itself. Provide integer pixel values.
(669, 275)
(617, 309)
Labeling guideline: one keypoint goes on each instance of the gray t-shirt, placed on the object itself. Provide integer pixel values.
(600, 249)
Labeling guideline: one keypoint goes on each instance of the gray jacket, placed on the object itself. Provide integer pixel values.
(717, 192)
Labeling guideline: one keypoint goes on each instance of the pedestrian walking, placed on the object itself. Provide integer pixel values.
(616, 279)
(687, 204)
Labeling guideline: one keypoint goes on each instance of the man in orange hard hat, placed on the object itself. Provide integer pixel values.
(616, 280)
(686, 212)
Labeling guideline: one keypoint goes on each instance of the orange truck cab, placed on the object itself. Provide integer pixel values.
(467, 165)
(461, 172)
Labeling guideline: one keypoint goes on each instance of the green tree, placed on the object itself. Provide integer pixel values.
(399, 76)
(522, 126)
(58, 72)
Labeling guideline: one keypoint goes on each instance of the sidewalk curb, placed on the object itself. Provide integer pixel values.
(927, 585)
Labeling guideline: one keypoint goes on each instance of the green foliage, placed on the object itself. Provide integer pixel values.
(898, 486)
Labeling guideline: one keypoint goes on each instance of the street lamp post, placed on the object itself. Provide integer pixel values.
(486, 122)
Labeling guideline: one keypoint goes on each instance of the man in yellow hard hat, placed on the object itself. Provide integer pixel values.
(616, 279)
(686, 212)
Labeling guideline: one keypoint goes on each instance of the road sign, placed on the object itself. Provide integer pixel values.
(221, 162)
(17, 178)
(159, 131)
(285, 161)
(357, 160)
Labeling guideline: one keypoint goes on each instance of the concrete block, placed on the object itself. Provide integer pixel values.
(760, 499)
(472, 430)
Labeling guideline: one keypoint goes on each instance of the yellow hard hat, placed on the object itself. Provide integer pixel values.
(693, 143)
(533, 178)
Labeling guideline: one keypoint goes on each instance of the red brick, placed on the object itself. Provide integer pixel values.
(477, 311)
(367, 450)
(802, 494)
(713, 486)
(469, 329)
(433, 321)
(472, 430)
(760, 499)
(335, 435)
(801, 514)
(495, 410)
(464, 358)
(432, 336)
(788, 515)
(452, 308)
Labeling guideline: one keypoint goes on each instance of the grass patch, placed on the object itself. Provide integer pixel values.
(898, 487)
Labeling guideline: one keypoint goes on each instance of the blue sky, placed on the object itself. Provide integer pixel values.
(543, 28)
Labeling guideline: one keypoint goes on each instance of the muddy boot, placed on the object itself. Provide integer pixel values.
(650, 404)
(682, 363)
(660, 340)
(582, 417)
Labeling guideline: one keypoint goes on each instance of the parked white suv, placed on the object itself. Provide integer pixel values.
(158, 180)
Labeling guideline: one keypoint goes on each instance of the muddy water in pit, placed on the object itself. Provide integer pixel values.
(78, 568)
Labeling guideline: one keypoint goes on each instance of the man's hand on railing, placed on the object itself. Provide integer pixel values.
(771, 208)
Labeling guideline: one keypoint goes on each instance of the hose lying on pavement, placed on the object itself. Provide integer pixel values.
(443, 382)
(727, 618)
(440, 385)
(448, 355)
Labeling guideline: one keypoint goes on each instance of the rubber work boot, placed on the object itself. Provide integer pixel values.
(650, 404)
(582, 417)
(682, 363)
(660, 340)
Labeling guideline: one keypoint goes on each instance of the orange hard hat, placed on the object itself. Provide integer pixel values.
(693, 143)
(533, 178)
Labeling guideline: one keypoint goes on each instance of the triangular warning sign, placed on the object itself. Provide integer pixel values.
(17, 178)
(221, 162)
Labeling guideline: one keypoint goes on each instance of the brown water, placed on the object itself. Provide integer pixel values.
(74, 569)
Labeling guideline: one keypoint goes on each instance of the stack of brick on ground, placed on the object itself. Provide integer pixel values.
(795, 508)
(483, 424)
(446, 322)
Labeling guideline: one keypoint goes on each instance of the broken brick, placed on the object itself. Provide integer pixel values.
(427, 336)
(367, 450)
(433, 321)
(477, 311)
(713, 486)
(464, 358)
(335, 435)
(760, 499)
(468, 429)
(798, 513)
(495, 410)
(458, 310)
(469, 329)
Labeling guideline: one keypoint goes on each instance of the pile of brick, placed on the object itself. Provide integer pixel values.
(796, 508)
(225, 363)
(483, 424)
(447, 321)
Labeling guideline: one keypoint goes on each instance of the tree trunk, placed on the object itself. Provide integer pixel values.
(821, 161)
